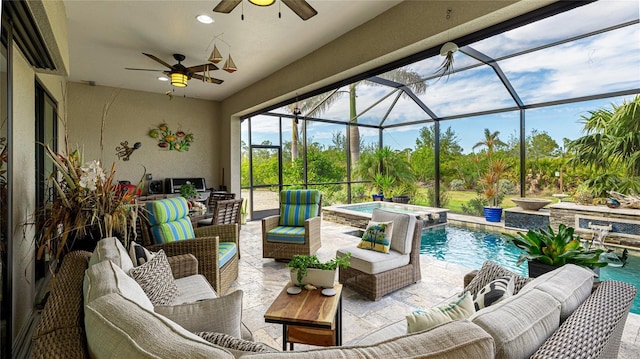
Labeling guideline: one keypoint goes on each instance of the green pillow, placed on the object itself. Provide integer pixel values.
(420, 320)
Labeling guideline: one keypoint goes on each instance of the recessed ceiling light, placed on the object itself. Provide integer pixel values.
(163, 78)
(205, 19)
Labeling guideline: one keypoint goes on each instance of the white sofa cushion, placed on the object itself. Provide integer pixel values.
(193, 288)
(454, 340)
(110, 249)
(461, 308)
(520, 324)
(222, 315)
(570, 285)
(403, 228)
(373, 262)
(117, 327)
(105, 278)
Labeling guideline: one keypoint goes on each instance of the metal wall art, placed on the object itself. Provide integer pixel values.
(124, 151)
(169, 140)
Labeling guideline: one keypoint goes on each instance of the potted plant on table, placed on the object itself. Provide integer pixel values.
(310, 270)
(546, 250)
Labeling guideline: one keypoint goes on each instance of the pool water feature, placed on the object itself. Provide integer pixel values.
(471, 247)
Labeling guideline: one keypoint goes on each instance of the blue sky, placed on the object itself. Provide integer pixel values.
(597, 64)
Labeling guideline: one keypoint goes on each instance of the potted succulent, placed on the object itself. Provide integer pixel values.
(309, 270)
(545, 250)
(384, 183)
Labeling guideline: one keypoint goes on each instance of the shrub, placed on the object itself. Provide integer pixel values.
(475, 206)
(457, 185)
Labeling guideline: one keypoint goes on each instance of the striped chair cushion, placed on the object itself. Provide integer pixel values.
(173, 231)
(284, 234)
(296, 206)
(167, 210)
(226, 250)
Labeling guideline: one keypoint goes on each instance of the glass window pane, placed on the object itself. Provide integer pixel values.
(572, 23)
(265, 130)
(594, 65)
(326, 153)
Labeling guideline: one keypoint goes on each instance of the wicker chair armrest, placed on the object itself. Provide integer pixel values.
(594, 330)
(314, 222)
(469, 277)
(183, 265)
(269, 223)
(205, 249)
(226, 232)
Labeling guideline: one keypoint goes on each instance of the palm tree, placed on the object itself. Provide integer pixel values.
(611, 146)
(317, 105)
(491, 141)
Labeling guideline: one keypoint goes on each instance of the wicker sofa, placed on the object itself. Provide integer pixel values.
(61, 331)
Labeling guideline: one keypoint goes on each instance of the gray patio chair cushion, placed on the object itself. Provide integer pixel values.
(520, 324)
(570, 285)
(372, 262)
(403, 226)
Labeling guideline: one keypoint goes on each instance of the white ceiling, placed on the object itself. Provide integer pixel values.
(107, 36)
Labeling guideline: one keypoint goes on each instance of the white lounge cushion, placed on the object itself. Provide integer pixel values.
(520, 324)
(193, 288)
(403, 228)
(117, 327)
(373, 262)
(570, 285)
(221, 315)
(111, 249)
(105, 278)
(454, 340)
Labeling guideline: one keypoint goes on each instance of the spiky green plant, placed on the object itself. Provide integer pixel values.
(555, 249)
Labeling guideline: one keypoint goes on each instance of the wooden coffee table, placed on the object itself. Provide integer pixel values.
(308, 317)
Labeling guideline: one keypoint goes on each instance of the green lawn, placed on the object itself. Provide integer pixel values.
(457, 198)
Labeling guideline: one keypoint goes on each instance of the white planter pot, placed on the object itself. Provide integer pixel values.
(317, 277)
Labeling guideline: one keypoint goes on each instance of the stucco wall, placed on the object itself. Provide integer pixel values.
(130, 117)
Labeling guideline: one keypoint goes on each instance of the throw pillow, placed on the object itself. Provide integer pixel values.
(493, 292)
(222, 314)
(377, 236)
(139, 254)
(420, 320)
(156, 279)
(230, 342)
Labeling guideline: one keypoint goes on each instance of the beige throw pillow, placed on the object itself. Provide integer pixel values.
(222, 314)
(422, 320)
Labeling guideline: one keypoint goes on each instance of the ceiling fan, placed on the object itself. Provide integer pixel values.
(300, 7)
(179, 74)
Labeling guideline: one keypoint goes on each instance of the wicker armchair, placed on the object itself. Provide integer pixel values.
(215, 247)
(297, 229)
(373, 284)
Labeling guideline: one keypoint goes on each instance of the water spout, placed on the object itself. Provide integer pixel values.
(599, 235)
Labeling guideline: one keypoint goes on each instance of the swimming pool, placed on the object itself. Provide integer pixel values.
(471, 247)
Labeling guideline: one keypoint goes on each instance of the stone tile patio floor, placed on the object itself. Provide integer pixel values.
(261, 280)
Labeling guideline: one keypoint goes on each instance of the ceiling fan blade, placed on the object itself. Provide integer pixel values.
(301, 8)
(157, 59)
(203, 67)
(226, 6)
(130, 68)
(210, 80)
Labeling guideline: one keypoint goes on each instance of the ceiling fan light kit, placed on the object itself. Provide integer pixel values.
(179, 80)
(300, 7)
(262, 2)
(180, 74)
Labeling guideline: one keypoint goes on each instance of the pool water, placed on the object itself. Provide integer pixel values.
(369, 207)
(471, 247)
